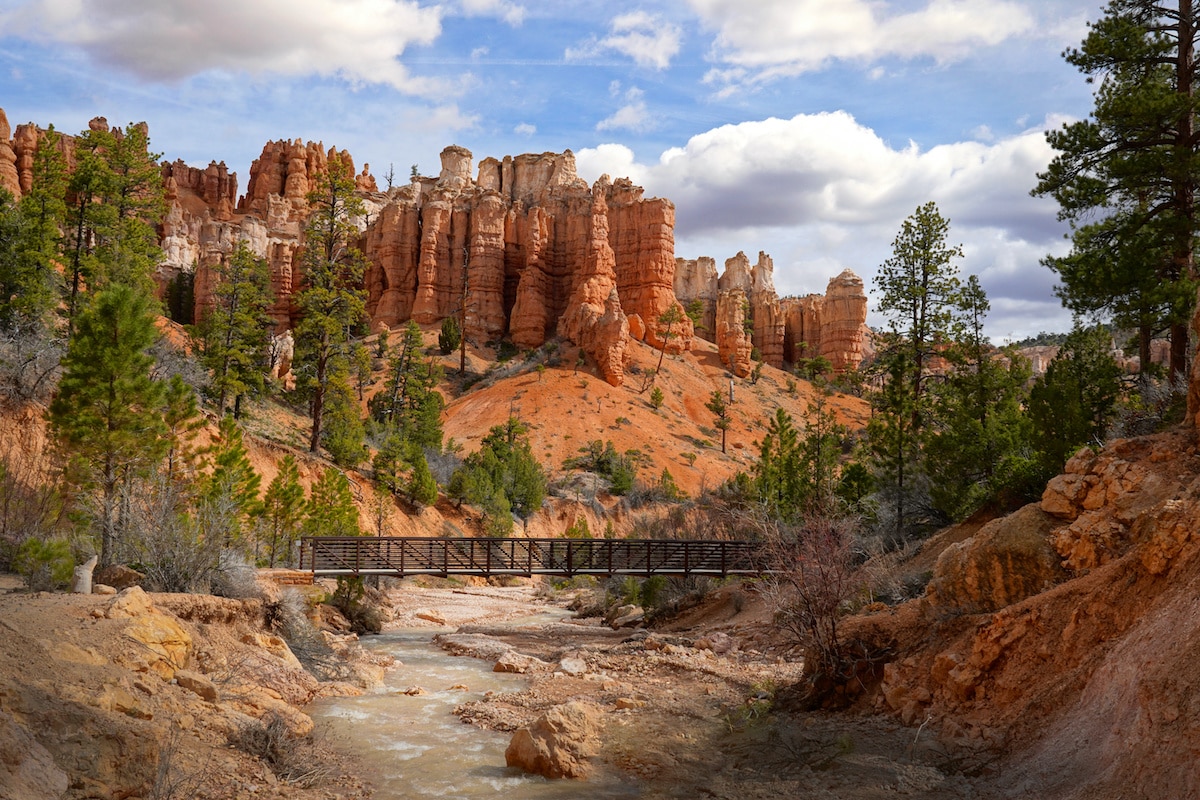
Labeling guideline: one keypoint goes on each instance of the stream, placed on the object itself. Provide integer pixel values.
(414, 746)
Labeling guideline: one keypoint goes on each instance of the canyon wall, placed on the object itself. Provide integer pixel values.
(520, 248)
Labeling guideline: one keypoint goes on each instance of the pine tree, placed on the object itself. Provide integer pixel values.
(283, 512)
(182, 422)
(106, 415)
(503, 477)
(230, 493)
(1072, 403)
(977, 445)
(720, 409)
(1128, 176)
(343, 432)
(234, 338)
(332, 303)
(422, 488)
(330, 510)
(920, 295)
(30, 241)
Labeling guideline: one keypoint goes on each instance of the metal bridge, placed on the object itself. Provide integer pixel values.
(400, 556)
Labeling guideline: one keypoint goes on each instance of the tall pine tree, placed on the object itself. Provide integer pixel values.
(332, 302)
(106, 415)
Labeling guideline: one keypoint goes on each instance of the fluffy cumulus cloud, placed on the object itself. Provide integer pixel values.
(763, 39)
(823, 192)
(647, 39)
(170, 40)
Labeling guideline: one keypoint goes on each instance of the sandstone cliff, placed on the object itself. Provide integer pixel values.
(508, 250)
(832, 325)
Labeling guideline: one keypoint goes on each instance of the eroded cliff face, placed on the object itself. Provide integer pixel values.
(520, 251)
(508, 250)
(832, 325)
(784, 330)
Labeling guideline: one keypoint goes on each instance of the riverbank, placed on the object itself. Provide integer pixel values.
(174, 696)
(692, 709)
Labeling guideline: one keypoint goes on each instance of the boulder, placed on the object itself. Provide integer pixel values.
(1007, 560)
(559, 744)
(197, 684)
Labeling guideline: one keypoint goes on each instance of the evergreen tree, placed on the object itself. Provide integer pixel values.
(920, 297)
(422, 488)
(1072, 403)
(118, 202)
(230, 493)
(127, 247)
(409, 402)
(182, 423)
(30, 240)
(977, 446)
(343, 432)
(332, 302)
(234, 338)
(503, 478)
(720, 409)
(283, 512)
(331, 510)
(1128, 175)
(106, 415)
(450, 336)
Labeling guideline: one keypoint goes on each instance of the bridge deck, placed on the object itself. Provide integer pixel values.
(368, 555)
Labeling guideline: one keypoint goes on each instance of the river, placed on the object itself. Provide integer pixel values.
(414, 746)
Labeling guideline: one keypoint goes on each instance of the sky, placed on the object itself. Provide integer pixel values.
(806, 129)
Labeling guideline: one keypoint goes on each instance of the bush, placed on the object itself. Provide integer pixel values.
(291, 757)
(45, 564)
(450, 336)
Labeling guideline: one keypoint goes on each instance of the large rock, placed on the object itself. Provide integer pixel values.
(1007, 560)
(594, 319)
(832, 325)
(559, 744)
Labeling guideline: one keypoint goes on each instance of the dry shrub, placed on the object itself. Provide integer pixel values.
(294, 759)
(814, 576)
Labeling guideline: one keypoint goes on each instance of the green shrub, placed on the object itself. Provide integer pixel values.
(45, 564)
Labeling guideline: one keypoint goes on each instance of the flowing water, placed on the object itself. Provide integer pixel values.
(414, 746)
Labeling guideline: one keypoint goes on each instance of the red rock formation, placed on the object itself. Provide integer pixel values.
(642, 234)
(830, 325)
(9, 178)
(594, 319)
(696, 279)
(734, 345)
(25, 142)
(766, 313)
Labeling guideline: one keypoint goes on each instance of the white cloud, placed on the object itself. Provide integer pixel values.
(511, 13)
(647, 39)
(633, 116)
(767, 39)
(822, 192)
(169, 40)
(525, 129)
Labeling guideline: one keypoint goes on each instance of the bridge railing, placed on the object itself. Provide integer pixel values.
(369, 555)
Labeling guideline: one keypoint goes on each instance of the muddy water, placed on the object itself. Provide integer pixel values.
(414, 746)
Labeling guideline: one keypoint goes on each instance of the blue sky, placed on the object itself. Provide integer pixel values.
(807, 129)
